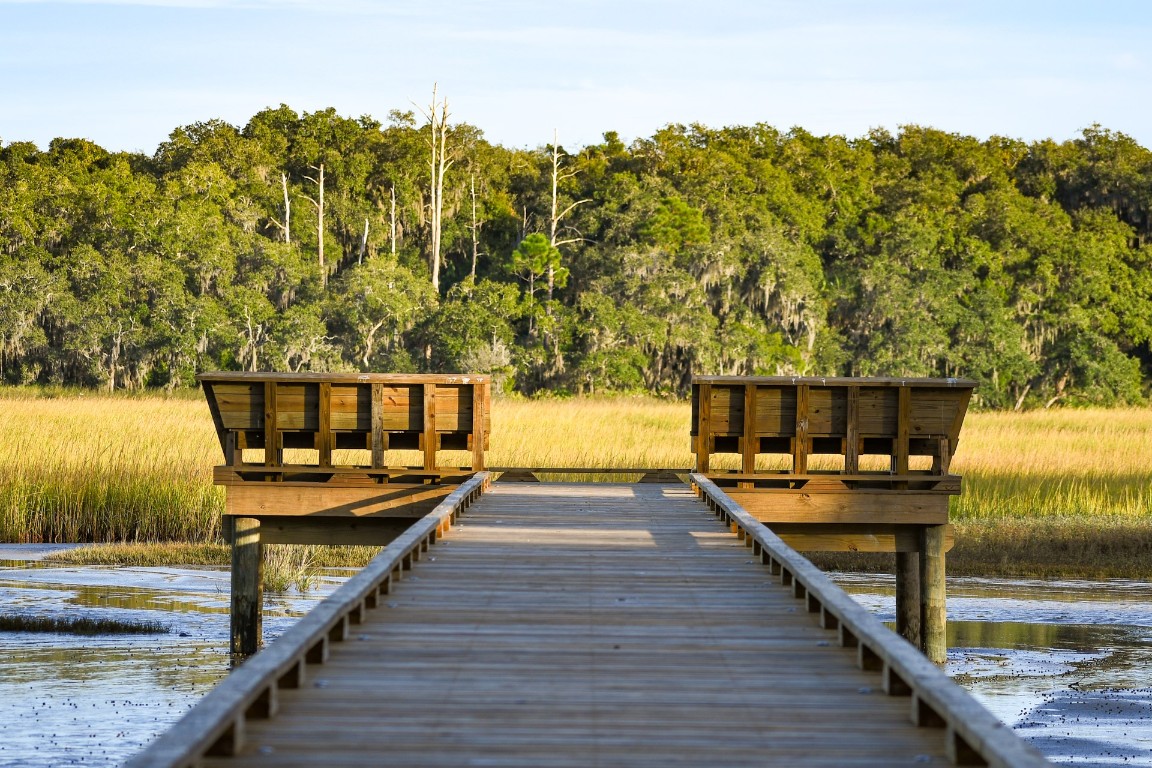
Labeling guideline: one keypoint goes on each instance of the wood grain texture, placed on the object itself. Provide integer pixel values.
(769, 506)
(321, 500)
(846, 417)
(577, 625)
(325, 412)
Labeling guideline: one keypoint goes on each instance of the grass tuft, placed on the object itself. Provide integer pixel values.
(79, 625)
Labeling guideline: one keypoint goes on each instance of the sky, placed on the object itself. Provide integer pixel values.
(125, 73)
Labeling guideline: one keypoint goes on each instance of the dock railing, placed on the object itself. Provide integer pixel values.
(974, 736)
(215, 726)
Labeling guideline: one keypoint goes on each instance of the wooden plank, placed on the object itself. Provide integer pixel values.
(545, 644)
(343, 378)
(726, 409)
(932, 412)
(342, 475)
(842, 381)
(878, 410)
(775, 410)
(847, 537)
(875, 507)
(240, 404)
(297, 406)
(958, 420)
(351, 407)
(403, 410)
(360, 531)
(827, 411)
(935, 700)
(288, 499)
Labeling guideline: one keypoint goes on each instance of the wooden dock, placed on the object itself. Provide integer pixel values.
(587, 625)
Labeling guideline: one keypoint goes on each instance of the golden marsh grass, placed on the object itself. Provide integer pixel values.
(83, 467)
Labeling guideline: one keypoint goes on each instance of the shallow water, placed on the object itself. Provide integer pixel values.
(1067, 664)
(93, 701)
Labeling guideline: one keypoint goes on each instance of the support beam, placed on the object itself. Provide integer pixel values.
(800, 441)
(247, 586)
(273, 456)
(376, 419)
(749, 442)
(704, 428)
(852, 430)
(324, 433)
(430, 426)
(908, 597)
(933, 610)
(479, 409)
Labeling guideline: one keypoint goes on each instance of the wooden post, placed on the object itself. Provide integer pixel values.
(379, 439)
(233, 456)
(429, 426)
(800, 441)
(247, 586)
(750, 442)
(324, 433)
(933, 611)
(852, 432)
(272, 454)
(903, 424)
(479, 407)
(704, 428)
(908, 597)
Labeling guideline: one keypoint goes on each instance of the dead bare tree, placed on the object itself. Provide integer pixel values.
(559, 175)
(319, 203)
(475, 227)
(392, 221)
(363, 243)
(286, 226)
(441, 157)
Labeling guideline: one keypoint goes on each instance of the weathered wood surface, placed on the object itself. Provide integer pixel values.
(847, 417)
(329, 411)
(613, 625)
(217, 724)
(973, 736)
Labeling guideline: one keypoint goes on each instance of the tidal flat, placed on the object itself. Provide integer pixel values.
(1065, 663)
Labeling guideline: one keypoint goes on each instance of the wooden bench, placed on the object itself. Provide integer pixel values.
(851, 478)
(313, 497)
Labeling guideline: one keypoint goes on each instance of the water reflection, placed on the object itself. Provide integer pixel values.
(93, 701)
(1067, 664)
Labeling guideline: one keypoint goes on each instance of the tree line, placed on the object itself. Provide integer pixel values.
(315, 241)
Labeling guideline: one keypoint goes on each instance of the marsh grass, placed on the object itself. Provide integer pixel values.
(1046, 492)
(89, 468)
(79, 625)
(285, 565)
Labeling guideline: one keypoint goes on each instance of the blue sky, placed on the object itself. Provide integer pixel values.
(125, 73)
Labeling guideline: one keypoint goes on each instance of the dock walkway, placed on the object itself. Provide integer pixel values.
(586, 625)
